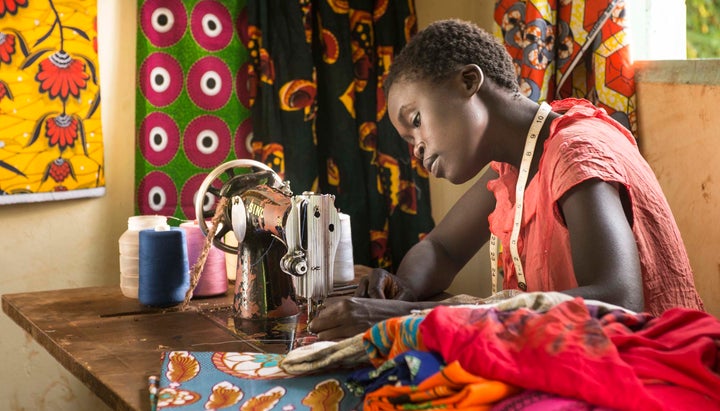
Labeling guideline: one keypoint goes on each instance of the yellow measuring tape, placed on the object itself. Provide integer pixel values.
(523, 173)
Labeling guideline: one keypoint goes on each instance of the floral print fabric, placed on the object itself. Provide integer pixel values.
(246, 381)
(320, 115)
(51, 143)
(574, 48)
(294, 84)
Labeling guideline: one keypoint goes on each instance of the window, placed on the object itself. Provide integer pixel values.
(703, 28)
(657, 28)
(674, 29)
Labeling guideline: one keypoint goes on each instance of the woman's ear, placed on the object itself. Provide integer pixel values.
(472, 78)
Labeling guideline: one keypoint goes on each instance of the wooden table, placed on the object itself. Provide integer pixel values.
(113, 344)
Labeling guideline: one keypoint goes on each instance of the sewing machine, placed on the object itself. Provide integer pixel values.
(286, 243)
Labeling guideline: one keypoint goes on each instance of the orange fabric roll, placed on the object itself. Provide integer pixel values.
(451, 388)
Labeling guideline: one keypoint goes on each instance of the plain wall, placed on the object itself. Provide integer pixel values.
(679, 136)
(474, 278)
(73, 243)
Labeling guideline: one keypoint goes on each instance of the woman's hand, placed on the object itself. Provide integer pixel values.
(344, 317)
(383, 285)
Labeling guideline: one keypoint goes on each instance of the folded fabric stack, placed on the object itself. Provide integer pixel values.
(538, 351)
(532, 352)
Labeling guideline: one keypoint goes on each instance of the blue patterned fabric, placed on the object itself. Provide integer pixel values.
(244, 380)
(409, 368)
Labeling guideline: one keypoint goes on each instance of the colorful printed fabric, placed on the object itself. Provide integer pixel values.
(192, 100)
(245, 381)
(319, 115)
(571, 49)
(409, 368)
(296, 85)
(51, 145)
(395, 336)
(569, 352)
(392, 337)
(563, 351)
(450, 388)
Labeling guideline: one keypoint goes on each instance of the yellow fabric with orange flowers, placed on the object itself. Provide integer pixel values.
(51, 143)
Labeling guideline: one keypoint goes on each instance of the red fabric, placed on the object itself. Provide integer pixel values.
(679, 398)
(563, 351)
(585, 143)
(681, 347)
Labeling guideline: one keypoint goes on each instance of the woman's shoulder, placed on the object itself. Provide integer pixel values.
(581, 119)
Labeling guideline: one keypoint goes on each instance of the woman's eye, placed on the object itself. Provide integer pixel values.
(416, 120)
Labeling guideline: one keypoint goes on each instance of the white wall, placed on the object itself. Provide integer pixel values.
(474, 278)
(72, 243)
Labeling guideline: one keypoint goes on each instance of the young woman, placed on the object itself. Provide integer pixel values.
(568, 195)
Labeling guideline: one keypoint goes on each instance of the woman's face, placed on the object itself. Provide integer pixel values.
(443, 122)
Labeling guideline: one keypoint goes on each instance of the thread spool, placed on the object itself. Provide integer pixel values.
(164, 276)
(213, 277)
(128, 248)
(231, 259)
(343, 269)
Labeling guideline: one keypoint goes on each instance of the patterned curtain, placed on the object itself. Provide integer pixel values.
(192, 108)
(51, 145)
(571, 48)
(319, 114)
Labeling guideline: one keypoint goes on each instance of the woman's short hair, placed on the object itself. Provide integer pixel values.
(444, 47)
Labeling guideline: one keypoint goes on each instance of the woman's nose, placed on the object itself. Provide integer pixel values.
(419, 151)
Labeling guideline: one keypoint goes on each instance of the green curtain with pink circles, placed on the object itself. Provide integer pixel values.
(192, 114)
(295, 84)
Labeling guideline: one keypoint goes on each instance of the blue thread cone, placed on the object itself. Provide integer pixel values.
(163, 267)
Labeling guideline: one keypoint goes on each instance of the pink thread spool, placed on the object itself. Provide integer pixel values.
(213, 278)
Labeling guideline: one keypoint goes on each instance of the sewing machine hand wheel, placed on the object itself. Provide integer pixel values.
(233, 184)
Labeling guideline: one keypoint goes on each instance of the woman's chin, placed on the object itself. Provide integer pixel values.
(456, 178)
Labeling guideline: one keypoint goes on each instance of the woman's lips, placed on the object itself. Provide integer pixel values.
(431, 165)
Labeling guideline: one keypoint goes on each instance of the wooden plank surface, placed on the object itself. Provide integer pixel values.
(113, 343)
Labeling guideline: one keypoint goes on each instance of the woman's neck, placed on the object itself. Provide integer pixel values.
(513, 117)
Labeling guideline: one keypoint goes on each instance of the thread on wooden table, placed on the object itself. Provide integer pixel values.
(343, 269)
(163, 266)
(128, 245)
(197, 268)
(213, 279)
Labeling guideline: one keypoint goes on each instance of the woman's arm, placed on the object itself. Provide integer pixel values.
(604, 252)
(427, 269)
(430, 266)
